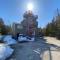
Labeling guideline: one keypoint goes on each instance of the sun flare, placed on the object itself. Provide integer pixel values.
(30, 6)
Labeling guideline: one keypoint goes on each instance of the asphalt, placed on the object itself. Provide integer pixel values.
(33, 50)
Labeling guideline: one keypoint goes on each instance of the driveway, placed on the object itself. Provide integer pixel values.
(37, 50)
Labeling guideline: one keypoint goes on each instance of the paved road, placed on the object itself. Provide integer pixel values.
(33, 50)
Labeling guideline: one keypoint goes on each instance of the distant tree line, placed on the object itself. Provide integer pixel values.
(53, 28)
(4, 29)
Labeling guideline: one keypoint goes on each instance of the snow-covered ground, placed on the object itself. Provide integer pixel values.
(53, 40)
(5, 51)
(25, 38)
(53, 53)
(7, 39)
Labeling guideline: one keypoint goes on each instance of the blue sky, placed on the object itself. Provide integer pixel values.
(13, 10)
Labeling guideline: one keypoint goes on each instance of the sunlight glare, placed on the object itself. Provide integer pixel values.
(30, 6)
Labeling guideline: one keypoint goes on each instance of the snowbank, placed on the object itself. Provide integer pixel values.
(5, 51)
(32, 39)
(8, 40)
(21, 38)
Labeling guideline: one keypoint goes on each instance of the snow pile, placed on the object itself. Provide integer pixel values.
(21, 38)
(25, 38)
(8, 40)
(5, 51)
(32, 39)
